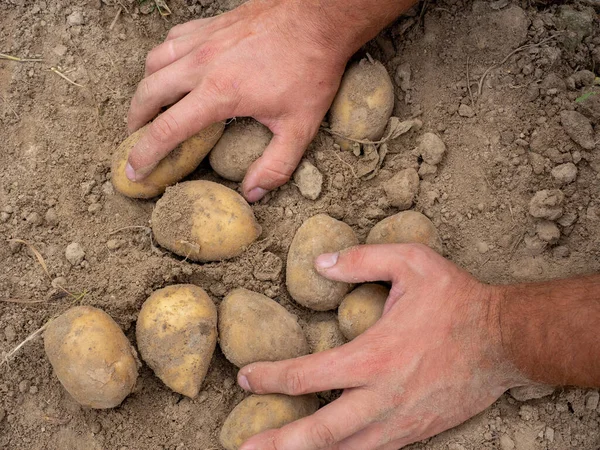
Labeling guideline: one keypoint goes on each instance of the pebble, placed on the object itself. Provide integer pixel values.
(336, 211)
(14, 246)
(402, 77)
(427, 170)
(309, 180)
(59, 282)
(431, 148)
(547, 231)
(592, 400)
(506, 443)
(532, 392)
(108, 188)
(465, 111)
(33, 390)
(507, 137)
(547, 204)
(96, 427)
(565, 173)
(24, 386)
(567, 219)
(482, 247)
(549, 434)
(51, 217)
(34, 219)
(561, 251)
(402, 188)
(94, 208)
(9, 333)
(75, 18)
(4, 217)
(8, 209)
(114, 244)
(579, 128)
(74, 253)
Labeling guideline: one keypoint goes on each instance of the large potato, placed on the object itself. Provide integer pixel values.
(252, 328)
(319, 234)
(363, 104)
(175, 166)
(323, 332)
(259, 413)
(177, 334)
(204, 221)
(241, 144)
(404, 228)
(361, 308)
(91, 357)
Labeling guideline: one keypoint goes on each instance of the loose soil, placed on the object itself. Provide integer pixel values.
(503, 136)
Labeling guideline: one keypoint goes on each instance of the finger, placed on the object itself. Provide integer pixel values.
(187, 28)
(196, 111)
(162, 88)
(324, 429)
(370, 437)
(338, 368)
(276, 165)
(170, 51)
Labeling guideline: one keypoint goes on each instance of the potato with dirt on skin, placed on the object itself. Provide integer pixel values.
(317, 235)
(172, 168)
(176, 335)
(204, 221)
(363, 104)
(91, 357)
(252, 328)
(323, 332)
(242, 143)
(361, 308)
(258, 413)
(404, 228)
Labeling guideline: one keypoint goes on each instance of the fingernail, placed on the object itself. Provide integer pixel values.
(327, 260)
(256, 194)
(129, 172)
(243, 382)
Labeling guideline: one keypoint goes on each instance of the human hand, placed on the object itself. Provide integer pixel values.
(276, 61)
(432, 361)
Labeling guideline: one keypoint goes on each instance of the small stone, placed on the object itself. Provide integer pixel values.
(9, 333)
(547, 231)
(402, 77)
(59, 282)
(431, 148)
(506, 443)
(531, 392)
(8, 209)
(427, 170)
(60, 50)
(108, 189)
(402, 188)
(567, 219)
(75, 18)
(309, 180)
(579, 128)
(465, 111)
(96, 427)
(51, 217)
(482, 247)
(269, 268)
(33, 390)
(549, 434)
(553, 81)
(561, 251)
(583, 78)
(24, 386)
(114, 244)
(336, 211)
(547, 204)
(34, 219)
(74, 253)
(94, 208)
(4, 217)
(14, 246)
(507, 137)
(565, 173)
(592, 400)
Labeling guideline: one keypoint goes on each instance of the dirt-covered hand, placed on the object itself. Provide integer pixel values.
(432, 361)
(272, 60)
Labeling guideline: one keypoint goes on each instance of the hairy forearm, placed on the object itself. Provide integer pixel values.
(550, 330)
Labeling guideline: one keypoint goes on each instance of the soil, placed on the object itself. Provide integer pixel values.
(503, 135)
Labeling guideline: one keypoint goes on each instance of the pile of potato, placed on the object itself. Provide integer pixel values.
(179, 326)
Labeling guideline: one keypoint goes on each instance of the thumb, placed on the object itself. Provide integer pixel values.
(275, 166)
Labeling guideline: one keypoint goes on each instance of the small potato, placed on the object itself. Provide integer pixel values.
(361, 308)
(323, 332)
(252, 328)
(176, 335)
(258, 413)
(204, 221)
(319, 234)
(241, 144)
(174, 167)
(363, 104)
(91, 357)
(406, 227)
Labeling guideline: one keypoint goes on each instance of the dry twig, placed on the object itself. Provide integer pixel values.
(29, 338)
(62, 75)
(114, 22)
(17, 59)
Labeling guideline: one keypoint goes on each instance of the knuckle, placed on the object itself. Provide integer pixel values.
(203, 54)
(277, 174)
(321, 436)
(144, 91)
(294, 381)
(164, 129)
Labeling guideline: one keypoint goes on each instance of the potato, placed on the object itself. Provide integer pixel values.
(177, 334)
(91, 357)
(252, 328)
(361, 308)
(323, 332)
(319, 234)
(363, 104)
(406, 227)
(204, 221)
(258, 413)
(175, 166)
(241, 144)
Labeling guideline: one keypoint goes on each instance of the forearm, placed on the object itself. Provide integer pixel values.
(550, 330)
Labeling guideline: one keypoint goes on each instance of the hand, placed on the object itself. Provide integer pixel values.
(432, 361)
(272, 60)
